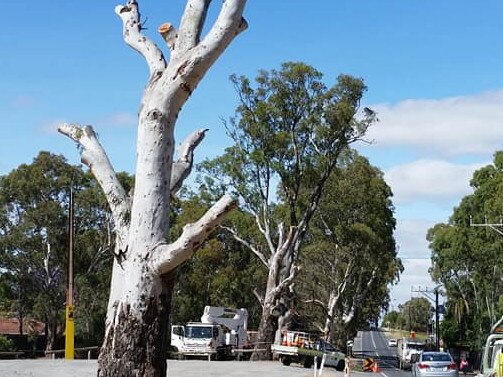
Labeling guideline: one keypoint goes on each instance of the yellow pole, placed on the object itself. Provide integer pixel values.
(70, 308)
(69, 333)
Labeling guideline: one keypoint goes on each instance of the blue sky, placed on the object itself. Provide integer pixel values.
(433, 69)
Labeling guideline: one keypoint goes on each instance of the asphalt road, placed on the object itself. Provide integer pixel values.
(176, 368)
(374, 344)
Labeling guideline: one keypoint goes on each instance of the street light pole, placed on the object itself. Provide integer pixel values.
(427, 293)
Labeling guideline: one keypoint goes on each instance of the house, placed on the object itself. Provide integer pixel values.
(32, 340)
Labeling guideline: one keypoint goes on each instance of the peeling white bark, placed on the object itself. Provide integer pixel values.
(130, 16)
(93, 156)
(169, 256)
(181, 168)
(144, 259)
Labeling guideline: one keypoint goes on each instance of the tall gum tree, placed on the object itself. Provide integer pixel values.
(145, 261)
(351, 252)
(288, 132)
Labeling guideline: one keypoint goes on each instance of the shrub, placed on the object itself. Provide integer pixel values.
(6, 344)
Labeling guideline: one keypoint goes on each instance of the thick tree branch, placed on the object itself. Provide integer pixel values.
(130, 16)
(285, 247)
(192, 24)
(189, 66)
(229, 23)
(320, 304)
(183, 166)
(169, 256)
(258, 296)
(93, 155)
(286, 282)
(360, 297)
(168, 33)
(247, 244)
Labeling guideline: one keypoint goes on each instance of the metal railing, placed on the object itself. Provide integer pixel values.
(89, 350)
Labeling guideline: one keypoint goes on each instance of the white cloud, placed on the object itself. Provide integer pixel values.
(415, 255)
(448, 126)
(410, 235)
(432, 180)
(415, 276)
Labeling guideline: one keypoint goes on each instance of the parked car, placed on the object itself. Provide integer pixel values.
(334, 358)
(434, 364)
(392, 343)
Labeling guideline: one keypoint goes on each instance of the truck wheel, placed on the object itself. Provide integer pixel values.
(286, 361)
(308, 362)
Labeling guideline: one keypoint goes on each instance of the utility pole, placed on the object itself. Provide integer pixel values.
(437, 327)
(70, 308)
(427, 293)
(493, 226)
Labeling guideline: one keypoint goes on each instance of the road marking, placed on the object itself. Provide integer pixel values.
(373, 342)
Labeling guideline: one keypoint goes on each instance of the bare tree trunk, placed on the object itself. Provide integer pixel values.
(52, 327)
(134, 338)
(265, 332)
(144, 266)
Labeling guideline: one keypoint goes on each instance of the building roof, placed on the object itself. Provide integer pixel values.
(10, 326)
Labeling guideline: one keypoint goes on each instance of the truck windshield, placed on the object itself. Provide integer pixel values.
(493, 352)
(198, 332)
(418, 347)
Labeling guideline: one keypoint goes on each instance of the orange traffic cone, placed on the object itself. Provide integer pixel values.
(376, 369)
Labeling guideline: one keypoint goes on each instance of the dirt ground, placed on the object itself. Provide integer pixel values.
(185, 368)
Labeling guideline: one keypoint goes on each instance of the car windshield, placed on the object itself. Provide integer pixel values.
(327, 347)
(198, 332)
(436, 357)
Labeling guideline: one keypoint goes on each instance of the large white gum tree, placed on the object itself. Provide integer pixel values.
(145, 261)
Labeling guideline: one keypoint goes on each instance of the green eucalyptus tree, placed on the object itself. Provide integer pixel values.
(350, 258)
(288, 132)
(34, 202)
(222, 273)
(417, 313)
(468, 260)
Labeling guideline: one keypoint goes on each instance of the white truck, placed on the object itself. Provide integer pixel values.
(302, 348)
(220, 334)
(494, 346)
(405, 348)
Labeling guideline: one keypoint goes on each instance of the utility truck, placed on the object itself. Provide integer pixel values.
(405, 348)
(220, 335)
(302, 348)
(493, 347)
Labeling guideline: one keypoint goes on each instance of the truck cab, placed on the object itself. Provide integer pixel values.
(406, 347)
(221, 332)
(198, 339)
(493, 346)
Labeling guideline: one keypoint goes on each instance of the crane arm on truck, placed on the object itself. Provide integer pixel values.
(234, 319)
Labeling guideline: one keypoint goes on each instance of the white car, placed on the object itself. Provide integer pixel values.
(392, 343)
